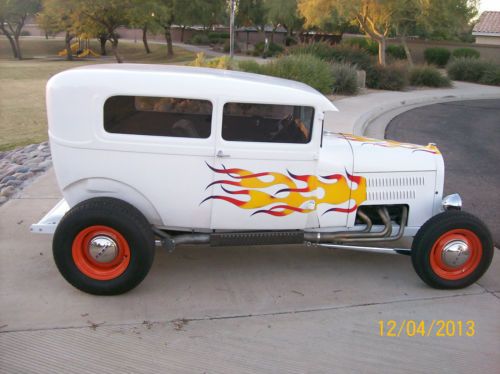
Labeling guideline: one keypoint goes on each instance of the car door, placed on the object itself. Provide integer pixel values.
(266, 157)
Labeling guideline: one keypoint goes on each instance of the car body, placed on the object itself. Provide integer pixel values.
(231, 158)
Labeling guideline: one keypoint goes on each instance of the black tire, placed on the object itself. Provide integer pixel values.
(433, 236)
(122, 220)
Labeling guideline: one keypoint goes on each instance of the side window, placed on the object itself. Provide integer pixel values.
(159, 116)
(267, 123)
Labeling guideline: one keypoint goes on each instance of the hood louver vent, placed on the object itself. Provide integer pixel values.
(393, 188)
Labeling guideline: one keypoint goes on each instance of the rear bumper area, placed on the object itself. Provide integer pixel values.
(48, 224)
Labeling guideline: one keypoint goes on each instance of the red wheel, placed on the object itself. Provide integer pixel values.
(452, 250)
(101, 252)
(104, 246)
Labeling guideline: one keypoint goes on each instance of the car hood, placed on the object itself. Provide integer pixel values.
(374, 155)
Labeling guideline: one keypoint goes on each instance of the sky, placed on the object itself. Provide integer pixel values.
(489, 5)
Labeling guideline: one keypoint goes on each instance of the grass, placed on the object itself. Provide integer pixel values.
(23, 117)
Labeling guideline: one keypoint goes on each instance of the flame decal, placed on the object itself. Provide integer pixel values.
(431, 148)
(291, 189)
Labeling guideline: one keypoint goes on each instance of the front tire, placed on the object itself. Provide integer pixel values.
(452, 250)
(104, 246)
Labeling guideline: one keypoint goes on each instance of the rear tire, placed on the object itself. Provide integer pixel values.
(104, 246)
(452, 250)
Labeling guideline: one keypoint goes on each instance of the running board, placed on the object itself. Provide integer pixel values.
(256, 238)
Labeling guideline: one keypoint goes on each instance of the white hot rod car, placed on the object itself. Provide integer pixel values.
(168, 155)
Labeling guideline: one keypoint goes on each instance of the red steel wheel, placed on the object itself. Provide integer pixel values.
(101, 252)
(452, 250)
(456, 254)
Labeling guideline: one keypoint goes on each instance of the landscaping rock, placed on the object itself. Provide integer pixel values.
(20, 166)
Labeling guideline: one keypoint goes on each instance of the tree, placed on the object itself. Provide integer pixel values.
(106, 16)
(61, 16)
(13, 15)
(447, 19)
(164, 15)
(283, 13)
(141, 16)
(375, 17)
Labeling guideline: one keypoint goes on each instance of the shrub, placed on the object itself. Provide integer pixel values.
(465, 52)
(345, 79)
(491, 76)
(25, 33)
(227, 44)
(223, 62)
(473, 70)
(364, 43)
(428, 76)
(199, 39)
(352, 55)
(390, 77)
(437, 56)
(250, 66)
(321, 50)
(303, 68)
(397, 52)
(273, 49)
(218, 37)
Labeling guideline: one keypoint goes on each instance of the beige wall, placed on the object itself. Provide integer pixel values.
(493, 40)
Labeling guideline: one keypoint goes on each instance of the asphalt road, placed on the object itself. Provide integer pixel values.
(468, 135)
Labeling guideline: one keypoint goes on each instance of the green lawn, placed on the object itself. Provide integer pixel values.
(22, 83)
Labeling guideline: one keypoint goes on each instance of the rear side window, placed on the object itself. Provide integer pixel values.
(158, 116)
(267, 123)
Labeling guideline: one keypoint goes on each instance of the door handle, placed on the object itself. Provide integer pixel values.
(220, 153)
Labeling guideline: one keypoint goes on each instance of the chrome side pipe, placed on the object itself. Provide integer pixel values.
(392, 251)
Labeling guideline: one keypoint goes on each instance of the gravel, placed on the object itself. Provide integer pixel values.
(19, 167)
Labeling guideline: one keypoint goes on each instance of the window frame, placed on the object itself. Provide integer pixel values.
(268, 143)
(147, 138)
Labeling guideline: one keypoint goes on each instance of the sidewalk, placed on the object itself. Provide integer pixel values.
(234, 310)
(369, 114)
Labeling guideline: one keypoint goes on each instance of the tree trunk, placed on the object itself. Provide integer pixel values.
(114, 45)
(168, 38)
(102, 40)
(182, 33)
(67, 40)
(145, 38)
(407, 51)
(381, 50)
(18, 47)
(11, 41)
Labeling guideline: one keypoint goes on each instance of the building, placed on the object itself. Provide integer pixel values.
(487, 29)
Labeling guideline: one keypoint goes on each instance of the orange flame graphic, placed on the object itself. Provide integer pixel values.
(393, 144)
(290, 198)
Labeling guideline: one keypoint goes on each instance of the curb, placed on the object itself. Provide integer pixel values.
(374, 122)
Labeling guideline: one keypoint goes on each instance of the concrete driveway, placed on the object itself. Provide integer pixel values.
(468, 135)
(232, 310)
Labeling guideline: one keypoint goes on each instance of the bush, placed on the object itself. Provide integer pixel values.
(491, 76)
(218, 37)
(250, 66)
(303, 68)
(473, 70)
(364, 43)
(321, 50)
(25, 33)
(465, 52)
(397, 52)
(345, 79)
(428, 76)
(437, 56)
(273, 49)
(223, 62)
(199, 39)
(351, 55)
(227, 44)
(390, 77)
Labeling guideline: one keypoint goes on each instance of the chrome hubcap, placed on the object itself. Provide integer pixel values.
(103, 249)
(455, 253)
